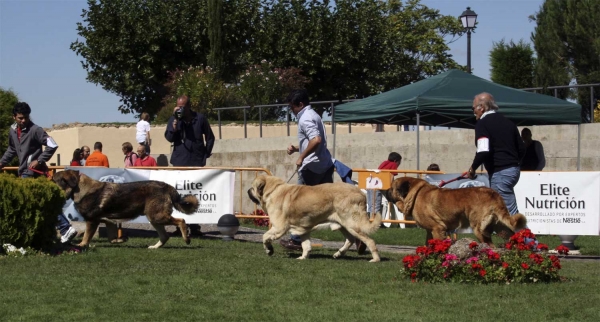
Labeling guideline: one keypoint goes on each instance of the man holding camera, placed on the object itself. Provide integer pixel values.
(192, 140)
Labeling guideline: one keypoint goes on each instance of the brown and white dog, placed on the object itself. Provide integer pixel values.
(117, 202)
(300, 209)
(438, 210)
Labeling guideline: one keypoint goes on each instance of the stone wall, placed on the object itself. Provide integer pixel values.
(453, 150)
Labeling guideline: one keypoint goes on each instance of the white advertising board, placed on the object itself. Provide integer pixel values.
(560, 203)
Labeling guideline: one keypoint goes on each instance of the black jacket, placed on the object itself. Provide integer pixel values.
(192, 142)
(506, 148)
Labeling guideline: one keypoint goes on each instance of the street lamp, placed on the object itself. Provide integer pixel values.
(468, 19)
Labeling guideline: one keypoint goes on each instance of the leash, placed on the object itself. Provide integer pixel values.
(293, 174)
(41, 172)
(462, 176)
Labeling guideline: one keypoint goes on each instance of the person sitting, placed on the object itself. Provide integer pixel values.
(144, 159)
(433, 167)
(77, 156)
(97, 158)
(130, 156)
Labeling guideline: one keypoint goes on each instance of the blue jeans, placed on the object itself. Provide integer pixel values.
(378, 206)
(63, 224)
(504, 182)
(309, 178)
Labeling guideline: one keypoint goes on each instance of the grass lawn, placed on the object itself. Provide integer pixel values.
(211, 280)
(587, 245)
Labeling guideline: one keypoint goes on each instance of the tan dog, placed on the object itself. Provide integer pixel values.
(116, 202)
(438, 210)
(299, 209)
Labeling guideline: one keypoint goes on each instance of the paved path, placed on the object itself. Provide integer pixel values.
(255, 235)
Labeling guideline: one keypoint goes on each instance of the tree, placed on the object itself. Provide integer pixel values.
(512, 64)
(8, 99)
(356, 48)
(567, 42)
(215, 35)
(129, 46)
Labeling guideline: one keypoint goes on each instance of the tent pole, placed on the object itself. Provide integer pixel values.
(333, 128)
(418, 140)
(579, 147)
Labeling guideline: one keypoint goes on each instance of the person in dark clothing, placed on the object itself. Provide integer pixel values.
(192, 140)
(499, 148)
(25, 141)
(534, 159)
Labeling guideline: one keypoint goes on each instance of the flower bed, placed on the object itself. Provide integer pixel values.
(518, 262)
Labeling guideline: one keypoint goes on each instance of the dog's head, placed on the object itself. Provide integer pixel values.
(68, 181)
(262, 186)
(399, 190)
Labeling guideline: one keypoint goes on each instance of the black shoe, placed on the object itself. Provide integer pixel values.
(290, 244)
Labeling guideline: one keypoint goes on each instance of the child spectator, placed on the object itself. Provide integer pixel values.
(392, 163)
(130, 156)
(433, 167)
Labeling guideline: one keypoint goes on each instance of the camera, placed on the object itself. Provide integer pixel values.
(178, 113)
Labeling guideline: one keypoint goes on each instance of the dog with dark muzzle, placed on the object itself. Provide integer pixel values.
(117, 202)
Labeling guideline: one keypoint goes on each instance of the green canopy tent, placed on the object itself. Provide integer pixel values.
(447, 99)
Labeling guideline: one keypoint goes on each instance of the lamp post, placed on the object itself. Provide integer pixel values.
(468, 19)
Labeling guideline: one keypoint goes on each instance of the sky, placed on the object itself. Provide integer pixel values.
(37, 63)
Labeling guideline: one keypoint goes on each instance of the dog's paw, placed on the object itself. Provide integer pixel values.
(375, 260)
(188, 241)
(269, 250)
(301, 257)
(337, 255)
(152, 247)
(82, 245)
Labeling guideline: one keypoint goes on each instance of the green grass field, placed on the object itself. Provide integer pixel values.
(587, 245)
(211, 280)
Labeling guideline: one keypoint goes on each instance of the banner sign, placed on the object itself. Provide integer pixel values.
(560, 203)
(212, 187)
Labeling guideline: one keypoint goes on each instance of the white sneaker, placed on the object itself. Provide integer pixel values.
(68, 236)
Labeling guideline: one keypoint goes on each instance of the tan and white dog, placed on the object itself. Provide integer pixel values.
(299, 209)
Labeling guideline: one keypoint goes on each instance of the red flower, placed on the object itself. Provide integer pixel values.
(493, 256)
(482, 273)
(562, 249)
(421, 250)
(541, 246)
(472, 245)
(537, 258)
(504, 265)
(476, 266)
(508, 245)
(413, 276)
(556, 264)
(524, 265)
(553, 258)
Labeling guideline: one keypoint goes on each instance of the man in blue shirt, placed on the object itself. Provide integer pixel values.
(314, 163)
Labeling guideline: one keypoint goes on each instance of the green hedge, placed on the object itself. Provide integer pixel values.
(28, 211)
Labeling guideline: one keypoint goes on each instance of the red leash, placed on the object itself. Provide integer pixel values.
(46, 173)
(462, 176)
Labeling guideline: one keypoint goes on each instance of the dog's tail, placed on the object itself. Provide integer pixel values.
(374, 225)
(187, 204)
(514, 222)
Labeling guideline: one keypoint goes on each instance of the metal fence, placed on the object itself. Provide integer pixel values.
(331, 104)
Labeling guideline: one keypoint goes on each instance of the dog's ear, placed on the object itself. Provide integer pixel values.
(404, 188)
(260, 188)
(73, 180)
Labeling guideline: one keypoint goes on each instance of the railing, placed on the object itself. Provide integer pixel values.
(556, 88)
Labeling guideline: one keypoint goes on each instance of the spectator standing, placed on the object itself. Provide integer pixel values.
(192, 140)
(314, 163)
(97, 158)
(76, 161)
(534, 159)
(144, 160)
(25, 141)
(142, 134)
(499, 148)
(85, 153)
(130, 156)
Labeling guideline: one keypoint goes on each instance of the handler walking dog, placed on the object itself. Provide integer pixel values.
(117, 202)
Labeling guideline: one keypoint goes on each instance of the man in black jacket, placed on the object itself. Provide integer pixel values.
(499, 148)
(192, 140)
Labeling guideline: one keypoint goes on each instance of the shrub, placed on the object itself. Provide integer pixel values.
(28, 211)
(518, 262)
